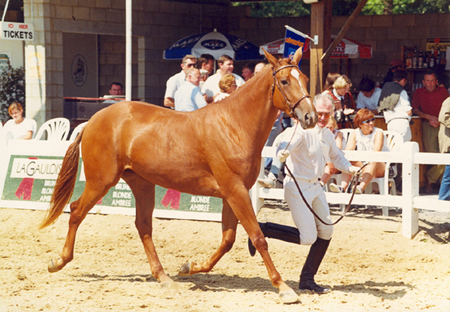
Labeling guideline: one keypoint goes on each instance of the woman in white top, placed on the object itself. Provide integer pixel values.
(365, 138)
(19, 127)
(227, 85)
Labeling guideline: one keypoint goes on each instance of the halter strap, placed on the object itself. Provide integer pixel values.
(275, 82)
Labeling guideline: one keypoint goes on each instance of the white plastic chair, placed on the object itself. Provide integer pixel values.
(337, 177)
(34, 128)
(56, 129)
(77, 131)
(393, 142)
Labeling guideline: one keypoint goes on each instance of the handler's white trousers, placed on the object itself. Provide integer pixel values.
(308, 225)
(402, 127)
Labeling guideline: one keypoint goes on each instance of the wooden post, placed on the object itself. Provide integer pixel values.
(320, 26)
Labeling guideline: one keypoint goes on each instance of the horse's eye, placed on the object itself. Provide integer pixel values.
(284, 82)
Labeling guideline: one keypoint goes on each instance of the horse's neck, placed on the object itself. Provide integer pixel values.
(254, 110)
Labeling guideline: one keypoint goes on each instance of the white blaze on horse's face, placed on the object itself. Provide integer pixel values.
(306, 120)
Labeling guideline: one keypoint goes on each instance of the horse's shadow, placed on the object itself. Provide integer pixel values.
(222, 282)
(377, 289)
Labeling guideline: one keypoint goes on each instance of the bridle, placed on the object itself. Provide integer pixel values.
(276, 83)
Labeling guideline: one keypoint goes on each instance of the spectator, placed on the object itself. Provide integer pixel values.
(188, 97)
(259, 67)
(444, 144)
(365, 138)
(329, 81)
(115, 91)
(306, 168)
(330, 169)
(206, 62)
(368, 95)
(394, 103)
(344, 104)
(175, 82)
(211, 86)
(248, 71)
(426, 104)
(116, 88)
(393, 67)
(19, 127)
(227, 85)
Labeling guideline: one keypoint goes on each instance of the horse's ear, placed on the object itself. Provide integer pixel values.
(272, 60)
(297, 56)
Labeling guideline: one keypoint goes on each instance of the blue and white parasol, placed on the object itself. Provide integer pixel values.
(214, 43)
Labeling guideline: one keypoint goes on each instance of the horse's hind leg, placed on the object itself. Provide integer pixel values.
(144, 194)
(229, 225)
(78, 211)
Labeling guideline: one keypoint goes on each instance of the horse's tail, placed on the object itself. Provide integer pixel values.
(65, 183)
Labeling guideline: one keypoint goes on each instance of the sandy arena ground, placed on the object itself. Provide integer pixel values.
(370, 266)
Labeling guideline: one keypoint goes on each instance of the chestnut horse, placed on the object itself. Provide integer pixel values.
(213, 151)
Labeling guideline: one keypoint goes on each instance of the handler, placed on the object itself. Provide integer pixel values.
(309, 151)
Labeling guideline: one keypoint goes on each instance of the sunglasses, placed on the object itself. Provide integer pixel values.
(192, 64)
(368, 120)
(323, 115)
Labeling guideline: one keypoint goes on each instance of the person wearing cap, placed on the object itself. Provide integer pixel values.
(394, 65)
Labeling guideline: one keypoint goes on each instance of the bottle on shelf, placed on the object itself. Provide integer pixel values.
(414, 60)
(420, 59)
(443, 59)
(431, 60)
(409, 61)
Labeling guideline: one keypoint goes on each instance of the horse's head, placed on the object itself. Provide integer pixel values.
(290, 93)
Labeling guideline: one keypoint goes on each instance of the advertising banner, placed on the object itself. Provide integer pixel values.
(30, 180)
(293, 40)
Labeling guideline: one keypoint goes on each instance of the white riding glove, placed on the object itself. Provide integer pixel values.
(282, 155)
(353, 170)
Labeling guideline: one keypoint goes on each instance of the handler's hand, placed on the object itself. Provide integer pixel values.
(353, 170)
(282, 155)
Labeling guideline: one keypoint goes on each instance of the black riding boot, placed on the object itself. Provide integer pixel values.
(312, 263)
(285, 233)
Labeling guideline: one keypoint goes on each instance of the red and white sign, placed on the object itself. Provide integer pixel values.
(17, 31)
(347, 48)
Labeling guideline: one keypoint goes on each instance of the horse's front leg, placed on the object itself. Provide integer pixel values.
(229, 224)
(242, 207)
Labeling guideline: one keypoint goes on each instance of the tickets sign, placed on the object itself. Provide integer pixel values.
(17, 31)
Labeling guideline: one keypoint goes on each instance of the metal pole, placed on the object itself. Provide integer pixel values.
(128, 50)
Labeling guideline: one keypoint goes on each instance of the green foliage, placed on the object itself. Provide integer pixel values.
(346, 7)
(12, 89)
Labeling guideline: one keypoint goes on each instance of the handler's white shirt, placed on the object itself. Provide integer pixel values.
(308, 148)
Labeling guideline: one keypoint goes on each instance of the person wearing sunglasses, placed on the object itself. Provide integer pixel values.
(365, 138)
(177, 80)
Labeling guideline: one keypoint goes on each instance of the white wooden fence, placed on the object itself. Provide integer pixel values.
(410, 200)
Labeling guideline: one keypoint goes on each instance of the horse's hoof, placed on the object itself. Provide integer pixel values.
(185, 269)
(169, 285)
(52, 268)
(289, 296)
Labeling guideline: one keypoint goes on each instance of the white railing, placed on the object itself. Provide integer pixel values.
(410, 200)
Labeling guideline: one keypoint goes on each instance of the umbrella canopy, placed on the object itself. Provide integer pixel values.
(347, 48)
(214, 43)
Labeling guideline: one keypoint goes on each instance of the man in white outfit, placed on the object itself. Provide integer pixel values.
(211, 86)
(305, 155)
(175, 82)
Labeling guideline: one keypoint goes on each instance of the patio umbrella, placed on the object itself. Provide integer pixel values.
(214, 43)
(347, 48)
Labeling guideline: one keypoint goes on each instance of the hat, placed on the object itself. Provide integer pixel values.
(396, 63)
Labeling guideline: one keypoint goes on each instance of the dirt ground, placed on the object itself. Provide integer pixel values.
(370, 266)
